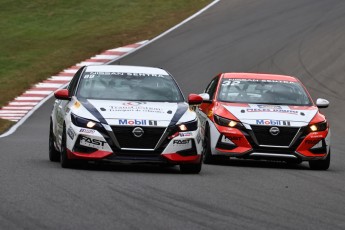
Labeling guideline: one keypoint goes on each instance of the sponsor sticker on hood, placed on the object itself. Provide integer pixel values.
(135, 110)
(273, 115)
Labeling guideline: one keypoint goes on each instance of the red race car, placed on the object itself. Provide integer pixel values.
(263, 116)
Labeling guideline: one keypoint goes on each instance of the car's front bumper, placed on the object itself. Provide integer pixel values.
(242, 144)
(93, 145)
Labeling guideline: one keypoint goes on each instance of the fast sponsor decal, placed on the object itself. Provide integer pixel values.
(70, 133)
(253, 110)
(137, 122)
(90, 142)
(90, 131)
(181, 142)
(273, 122)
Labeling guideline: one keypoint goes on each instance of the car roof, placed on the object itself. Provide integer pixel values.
(125, 69)
(260, 76)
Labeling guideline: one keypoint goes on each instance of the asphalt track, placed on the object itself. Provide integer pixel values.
(305, 38)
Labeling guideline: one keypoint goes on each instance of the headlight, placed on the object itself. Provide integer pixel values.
(322, 126)
(227, 122)
(188, 126)
(85, 123)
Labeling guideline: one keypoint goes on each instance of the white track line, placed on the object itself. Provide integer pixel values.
(38, 92)
(22, 103)
(48, 85)
(73, 71)
(13, 111)
(70, 71)
(16, 108)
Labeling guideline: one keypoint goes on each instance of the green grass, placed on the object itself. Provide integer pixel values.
(40, 38)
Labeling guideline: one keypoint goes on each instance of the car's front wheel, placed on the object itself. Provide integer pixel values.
(208, 158)
(191, 168)
(321, 164)
(207, 155)
(54, 155)
(65, 162)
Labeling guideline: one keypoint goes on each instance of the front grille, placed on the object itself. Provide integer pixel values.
(264, 137)
(148, 140)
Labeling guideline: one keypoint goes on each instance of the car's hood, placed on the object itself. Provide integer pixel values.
(280, 115)
(135, 112)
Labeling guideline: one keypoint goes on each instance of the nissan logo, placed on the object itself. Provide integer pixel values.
(138, 132)
(274, 131)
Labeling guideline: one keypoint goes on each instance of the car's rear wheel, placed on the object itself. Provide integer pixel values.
(321, 164)
(54, 155)
(65, 162)
(191, 168)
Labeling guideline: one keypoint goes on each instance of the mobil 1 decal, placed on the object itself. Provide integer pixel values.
(137, 122)
(273, 122)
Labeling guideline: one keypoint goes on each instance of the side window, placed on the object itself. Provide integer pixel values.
(73, 84)
(211, 88)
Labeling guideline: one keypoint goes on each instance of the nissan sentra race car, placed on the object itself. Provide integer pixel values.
(263, 116)
(125, 114)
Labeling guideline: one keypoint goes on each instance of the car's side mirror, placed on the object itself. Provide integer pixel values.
(194, 99)
(322, 103)
(205, 97)
(62, 94)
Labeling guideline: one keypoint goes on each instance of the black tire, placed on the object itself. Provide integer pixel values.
(321, 164)
(191, 168)
(208, 158)
(64, 161)
(207, 155)
(54, 155)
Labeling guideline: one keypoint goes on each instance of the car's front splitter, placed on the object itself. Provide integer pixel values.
(170, 158)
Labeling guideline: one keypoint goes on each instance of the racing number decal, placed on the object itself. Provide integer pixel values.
(228, 82)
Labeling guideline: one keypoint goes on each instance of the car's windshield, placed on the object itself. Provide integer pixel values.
(263, 92)
(128, 86)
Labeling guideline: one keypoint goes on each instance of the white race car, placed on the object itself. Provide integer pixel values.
(125, 114)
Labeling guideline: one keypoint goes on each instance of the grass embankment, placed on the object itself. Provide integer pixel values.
(40, 38)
